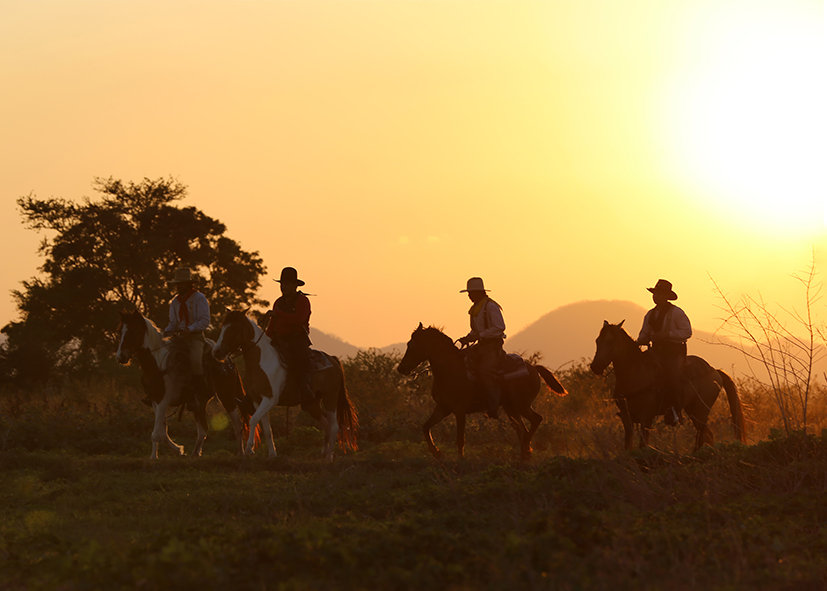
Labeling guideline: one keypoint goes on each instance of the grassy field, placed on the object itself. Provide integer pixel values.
(82, 507)
(730, 517)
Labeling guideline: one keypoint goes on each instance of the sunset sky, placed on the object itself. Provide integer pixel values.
(562, 150)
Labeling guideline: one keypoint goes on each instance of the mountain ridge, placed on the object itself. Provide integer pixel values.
(566, 335)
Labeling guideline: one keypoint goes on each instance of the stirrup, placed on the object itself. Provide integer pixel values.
(672, 417)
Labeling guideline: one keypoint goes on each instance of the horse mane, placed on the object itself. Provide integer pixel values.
(629, 339)
(159, 345)
(436, 333)
(242, 314)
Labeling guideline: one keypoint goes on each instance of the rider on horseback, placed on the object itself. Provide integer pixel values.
(289, 330)
(488, 330)
(666, 329)
(189, 317)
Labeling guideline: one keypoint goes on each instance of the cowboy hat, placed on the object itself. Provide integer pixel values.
(183, 275)
(474, 284)
(664, 286)
(289, 275)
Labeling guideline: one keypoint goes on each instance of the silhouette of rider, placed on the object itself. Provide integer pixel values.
(189, 317)
(666, 329)
(289, 329)
(488, 331)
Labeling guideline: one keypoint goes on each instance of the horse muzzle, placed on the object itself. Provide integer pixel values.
(597, 368)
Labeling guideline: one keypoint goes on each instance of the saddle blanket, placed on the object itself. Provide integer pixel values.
(512, 367)
(319, 361)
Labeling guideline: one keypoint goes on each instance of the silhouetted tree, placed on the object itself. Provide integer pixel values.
(114, 252)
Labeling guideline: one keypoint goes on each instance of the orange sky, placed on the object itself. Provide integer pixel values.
(563, 150)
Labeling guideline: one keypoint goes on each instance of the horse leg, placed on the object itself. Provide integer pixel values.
(703, 434)
(626, 419)
(331, 432)
(268, 437)
(460, 434)
(262, 411)
(534, 420)
(645, 431)
(436, 416)
(519, 427)
(238, 429)
(160, 431)
(201, 424)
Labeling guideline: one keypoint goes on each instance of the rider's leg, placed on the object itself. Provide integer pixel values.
(201, 388)
(488, 363)
(673, 363)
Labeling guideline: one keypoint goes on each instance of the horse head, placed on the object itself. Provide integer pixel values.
(237, 332)
(133, 329)
(423, 344)
(609, 341)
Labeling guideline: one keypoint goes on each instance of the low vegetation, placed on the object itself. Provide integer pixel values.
(82, 507)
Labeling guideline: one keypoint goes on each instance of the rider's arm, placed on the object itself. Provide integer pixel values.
(495, 324)
(201, 320)
(645, 335)
(681, 329)
(173, 318)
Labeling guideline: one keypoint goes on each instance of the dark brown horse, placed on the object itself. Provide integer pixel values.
(454, 393)
(165, 375)
(637, 390)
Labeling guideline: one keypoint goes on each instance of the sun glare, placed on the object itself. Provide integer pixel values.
(752, 125)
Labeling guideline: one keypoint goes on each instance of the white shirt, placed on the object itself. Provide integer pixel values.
(198, 309)
(676, 321)
(488, 323)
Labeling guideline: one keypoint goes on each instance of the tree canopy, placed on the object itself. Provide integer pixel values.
(115, 252)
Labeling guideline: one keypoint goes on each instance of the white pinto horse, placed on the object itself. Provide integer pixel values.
(265, 377)
(165, 375)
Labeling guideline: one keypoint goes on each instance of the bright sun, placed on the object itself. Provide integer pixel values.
(750, 117)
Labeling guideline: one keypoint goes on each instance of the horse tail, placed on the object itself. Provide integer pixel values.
(550, 379)
(346, 415)
(735, 407)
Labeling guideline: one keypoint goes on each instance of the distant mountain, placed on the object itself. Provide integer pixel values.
(332, 344)
(568, 334)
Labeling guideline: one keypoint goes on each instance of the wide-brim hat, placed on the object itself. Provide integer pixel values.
(474, 284)
(289, 275)
(664, 286)
(183, 275)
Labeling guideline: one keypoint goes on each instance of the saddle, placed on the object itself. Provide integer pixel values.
(510, 367)
(318, 359)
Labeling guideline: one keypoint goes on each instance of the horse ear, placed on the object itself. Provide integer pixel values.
(621, 323)
(605, 323)
(420, 327)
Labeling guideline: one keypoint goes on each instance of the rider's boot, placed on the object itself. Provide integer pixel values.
(492, 398)
(307, 399)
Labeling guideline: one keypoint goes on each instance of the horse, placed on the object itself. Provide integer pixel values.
(637, 389)
(455, 393)
(265, 376)
(165, 371)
